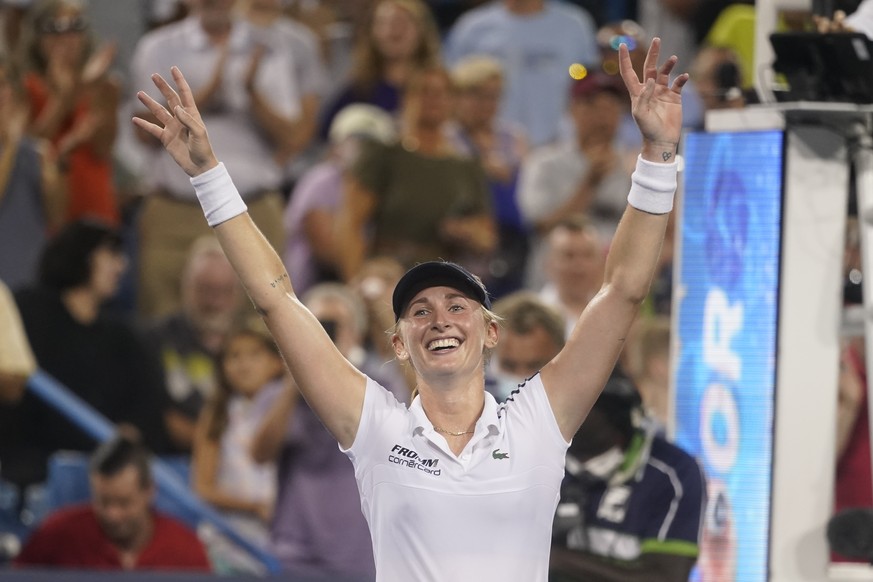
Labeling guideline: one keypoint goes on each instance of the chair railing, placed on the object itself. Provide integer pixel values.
(168, 482)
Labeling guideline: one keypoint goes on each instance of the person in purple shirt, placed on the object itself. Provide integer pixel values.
(318, 530)
(399, 38)
(310, 248)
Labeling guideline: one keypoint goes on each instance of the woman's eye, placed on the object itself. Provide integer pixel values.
(456, 308)
(419, 312)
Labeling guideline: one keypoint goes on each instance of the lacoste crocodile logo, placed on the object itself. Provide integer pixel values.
(496, 454)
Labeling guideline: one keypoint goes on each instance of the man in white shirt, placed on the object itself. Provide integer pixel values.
(244, 80)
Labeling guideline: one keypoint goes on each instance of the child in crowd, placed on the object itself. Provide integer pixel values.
(224, 472)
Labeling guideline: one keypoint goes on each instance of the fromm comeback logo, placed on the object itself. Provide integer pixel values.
(496, 454)
(409, 458)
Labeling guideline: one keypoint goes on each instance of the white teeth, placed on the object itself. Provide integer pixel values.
(443, 343)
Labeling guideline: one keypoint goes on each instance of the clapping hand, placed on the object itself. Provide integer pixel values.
(181, 130)
(656, 104)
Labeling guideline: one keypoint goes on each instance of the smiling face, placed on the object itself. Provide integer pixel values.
(443, 332)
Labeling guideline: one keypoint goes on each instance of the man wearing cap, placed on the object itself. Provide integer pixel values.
(454, 487)
(583, 175)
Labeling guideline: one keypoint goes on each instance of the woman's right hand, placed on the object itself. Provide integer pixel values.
(183, 134)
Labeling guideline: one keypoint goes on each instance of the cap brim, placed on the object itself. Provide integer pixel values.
(437, 274)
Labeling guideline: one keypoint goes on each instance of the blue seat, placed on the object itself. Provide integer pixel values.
(67, 481)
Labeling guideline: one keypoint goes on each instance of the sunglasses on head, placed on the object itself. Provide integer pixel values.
(63, 25)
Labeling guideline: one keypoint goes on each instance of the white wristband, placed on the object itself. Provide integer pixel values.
(653, 186)
(218, 196)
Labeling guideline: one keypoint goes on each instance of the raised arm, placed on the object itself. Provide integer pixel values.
(333, 387)
(574, 379)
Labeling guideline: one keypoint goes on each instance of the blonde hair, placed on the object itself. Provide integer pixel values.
(474, 70)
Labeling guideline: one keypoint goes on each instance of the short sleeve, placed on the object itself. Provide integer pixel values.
(674, 527)
(380, 407)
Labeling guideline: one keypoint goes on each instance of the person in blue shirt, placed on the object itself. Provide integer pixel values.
(535, 41)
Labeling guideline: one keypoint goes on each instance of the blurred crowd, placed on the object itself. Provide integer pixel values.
(364, 136)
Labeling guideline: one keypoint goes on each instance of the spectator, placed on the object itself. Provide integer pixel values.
(532, 333)
(311, 252)
(718, 78)
(17, 363)
(535, 41)
(374, 285)
(674, 22)
(648, 363)
(118, 530)
(101, 358)
(224, 473)
(399, 39)
(252, 103)
(418, 199)
(189, 339)
(584, 175)
(73, 103)
(319, 531)
(31, 194)
(631, 502)
(337, 24)
(853, 488)
(574, 265)
(500, 147)
(309, 72)
(16, 358)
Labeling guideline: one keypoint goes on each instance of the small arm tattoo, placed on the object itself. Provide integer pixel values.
(667, 156)
(278, 279)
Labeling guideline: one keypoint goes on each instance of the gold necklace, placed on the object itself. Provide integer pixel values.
(450, 433)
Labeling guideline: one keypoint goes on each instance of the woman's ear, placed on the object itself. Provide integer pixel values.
(492, 334)
(399, 348)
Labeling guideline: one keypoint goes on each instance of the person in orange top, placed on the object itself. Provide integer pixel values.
(73, 103)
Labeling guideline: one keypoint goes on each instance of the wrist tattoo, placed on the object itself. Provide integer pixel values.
(666, 156)
(278, 280)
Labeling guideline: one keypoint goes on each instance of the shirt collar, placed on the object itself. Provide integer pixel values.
(488, 421)
(198, 40)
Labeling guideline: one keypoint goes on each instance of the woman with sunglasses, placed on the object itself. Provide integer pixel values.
(73, 103)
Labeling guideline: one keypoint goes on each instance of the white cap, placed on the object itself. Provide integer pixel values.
(359, 119)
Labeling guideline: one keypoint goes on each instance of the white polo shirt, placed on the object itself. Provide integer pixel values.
(484, 515)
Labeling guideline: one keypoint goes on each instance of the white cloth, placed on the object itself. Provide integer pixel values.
(236, 138)
(238, 473)
(484, 515)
